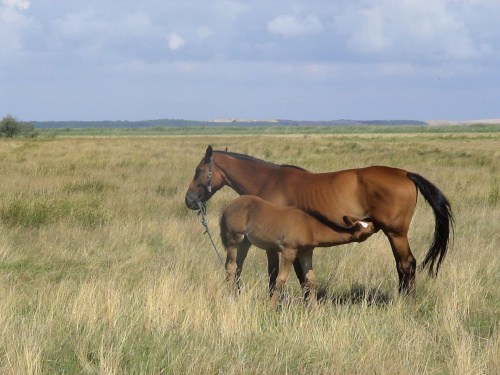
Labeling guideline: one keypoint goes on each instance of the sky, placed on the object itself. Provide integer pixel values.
(64, 60)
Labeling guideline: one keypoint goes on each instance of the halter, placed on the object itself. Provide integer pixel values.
(203, 209)
(199, 200)
(209, 179)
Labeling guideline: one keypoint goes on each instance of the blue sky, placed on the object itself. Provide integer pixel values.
(202, 60)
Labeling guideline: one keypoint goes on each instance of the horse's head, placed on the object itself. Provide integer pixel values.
(364, 229)
(205, 183)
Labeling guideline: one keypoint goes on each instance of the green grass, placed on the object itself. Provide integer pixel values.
(245, 130)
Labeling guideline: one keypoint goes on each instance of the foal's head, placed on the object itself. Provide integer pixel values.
(202, 186)
(364, 229)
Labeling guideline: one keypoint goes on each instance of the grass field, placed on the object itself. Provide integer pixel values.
(277, 130)
(103, 270)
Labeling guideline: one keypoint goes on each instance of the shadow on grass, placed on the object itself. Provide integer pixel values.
(355, 295)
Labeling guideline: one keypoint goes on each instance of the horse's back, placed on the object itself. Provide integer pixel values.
(377, 192)
(382, 176)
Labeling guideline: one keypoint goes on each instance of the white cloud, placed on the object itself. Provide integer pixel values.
(80, 26)
(21, 4)
(289, 26)
(229, 8)
(91, 27)
(136, 24)
(372, 36)
(204, 32)
(13, 24)
(431, 28)
(175, 41)
(299, 52)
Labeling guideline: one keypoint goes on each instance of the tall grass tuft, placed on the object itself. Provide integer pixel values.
(37, 211)
(21, 212)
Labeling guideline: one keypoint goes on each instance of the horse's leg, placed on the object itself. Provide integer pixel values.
(310, 283)
(299, 272)
(406, 263)
(240, 258)
(287, 258)
(273, 263)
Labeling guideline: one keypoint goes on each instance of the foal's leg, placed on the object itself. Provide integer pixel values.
(287, 258)
(237, 250)
(241, 255)
(406, 263)
(310, 280)
(233, 242)
(232, 252)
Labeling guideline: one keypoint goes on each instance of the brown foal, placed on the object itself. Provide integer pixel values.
(249, 220)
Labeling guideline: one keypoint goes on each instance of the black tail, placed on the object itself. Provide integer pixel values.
(444, 222)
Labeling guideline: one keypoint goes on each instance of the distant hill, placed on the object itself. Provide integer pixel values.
(243, 123)
(218, 122)
(471, 122)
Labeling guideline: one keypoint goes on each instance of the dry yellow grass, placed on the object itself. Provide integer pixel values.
(103, 270)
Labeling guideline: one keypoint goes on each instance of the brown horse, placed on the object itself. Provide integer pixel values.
(249, 220)
(383, 195)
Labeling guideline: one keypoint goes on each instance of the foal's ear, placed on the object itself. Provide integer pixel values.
(208, 154)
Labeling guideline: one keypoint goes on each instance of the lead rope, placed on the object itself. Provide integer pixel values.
(203, 209)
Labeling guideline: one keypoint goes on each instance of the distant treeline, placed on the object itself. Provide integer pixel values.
(114, 124)
(192, 123)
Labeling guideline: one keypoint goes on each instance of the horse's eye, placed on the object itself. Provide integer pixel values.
(197, 173)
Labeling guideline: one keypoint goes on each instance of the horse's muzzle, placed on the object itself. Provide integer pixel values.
(191, 202)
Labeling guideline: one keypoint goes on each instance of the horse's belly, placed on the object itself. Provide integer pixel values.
(341, 212)
(264, 242)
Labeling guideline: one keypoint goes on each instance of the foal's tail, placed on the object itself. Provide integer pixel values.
(223, 229)
(444, 221)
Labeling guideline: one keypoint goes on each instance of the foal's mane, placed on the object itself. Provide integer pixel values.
(254, 159)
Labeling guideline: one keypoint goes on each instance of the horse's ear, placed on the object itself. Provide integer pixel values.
(208, 154)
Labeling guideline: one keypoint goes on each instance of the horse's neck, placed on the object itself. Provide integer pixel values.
(246, 177)
(325, 236)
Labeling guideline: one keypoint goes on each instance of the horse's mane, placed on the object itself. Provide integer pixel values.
(254, 159)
